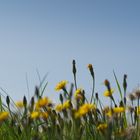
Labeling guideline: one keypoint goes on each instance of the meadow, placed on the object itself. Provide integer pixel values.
(75, 117)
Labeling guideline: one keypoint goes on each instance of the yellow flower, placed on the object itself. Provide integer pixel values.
(78, 94)
(42, 102)
(108, 93)
(44, 115)
(118, 109)
(102, 127)
(84, 109)
(35, 115)
(65, 105)
(19, 104)
(59, 107)
(109, 113)
(3, 116)
(61, 85)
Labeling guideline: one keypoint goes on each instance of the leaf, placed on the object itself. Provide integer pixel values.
(118, 85)
(44, 89)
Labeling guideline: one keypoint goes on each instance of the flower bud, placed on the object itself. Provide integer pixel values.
(32, 101)
(74, 67)
(24, 101)
(8, 100)
(96, 95)
(107, 84)
(125, 82)
(61, 98)
(37, 91)
(91, 70)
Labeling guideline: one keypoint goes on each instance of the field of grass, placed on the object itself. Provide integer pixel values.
(75, 117)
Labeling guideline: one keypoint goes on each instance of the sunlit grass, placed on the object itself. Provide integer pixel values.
(75, 117)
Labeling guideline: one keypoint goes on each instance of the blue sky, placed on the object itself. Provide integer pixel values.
(48, 34)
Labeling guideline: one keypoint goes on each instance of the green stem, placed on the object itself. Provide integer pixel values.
(75, 82)
(93, 87)
(66, 93)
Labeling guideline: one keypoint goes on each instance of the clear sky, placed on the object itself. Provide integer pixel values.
(48, 34)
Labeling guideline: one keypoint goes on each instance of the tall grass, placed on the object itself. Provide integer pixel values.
(75, 117)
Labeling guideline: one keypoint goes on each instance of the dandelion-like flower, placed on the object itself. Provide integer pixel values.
(34, 115)
(42, 102)
(78, 94)
(3, 116)
(108, 93)
(118, 109)
(61, 85)
(102, 127)
(84, 109)
(44, 115)
(65, 105)
(109, 113)
(59, 107)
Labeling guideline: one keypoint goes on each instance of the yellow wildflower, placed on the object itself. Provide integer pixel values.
(35, 115)
(84, 109)
(3, 116)
(61, 85)
(59, 107)
(19, 104)
(78, 94)
(44, 115)
(118, 109)
(108, 93)
(42, 102)
(65, 105)
(109, 113)
(102, 127)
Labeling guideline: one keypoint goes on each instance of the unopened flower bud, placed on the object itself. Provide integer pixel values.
(61, 98)
(74, 67)
(96, 95)
(32, 101)
(107, 84)
(125, 82)
(24, 101)
(91, 70)
(121, 104)
(37, 91)
(7, 100)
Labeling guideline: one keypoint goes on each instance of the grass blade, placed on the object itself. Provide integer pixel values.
(118, 85)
